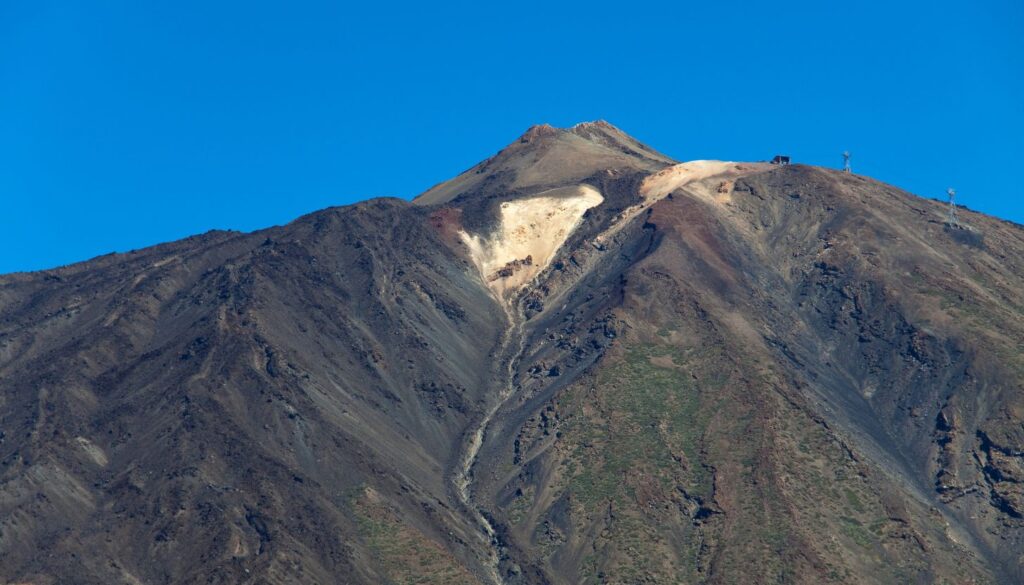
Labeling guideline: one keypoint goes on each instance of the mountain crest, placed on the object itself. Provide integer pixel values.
(537, 132)
(545, 157)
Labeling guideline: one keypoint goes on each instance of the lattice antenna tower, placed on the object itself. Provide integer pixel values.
(953, 220)
(846, 162)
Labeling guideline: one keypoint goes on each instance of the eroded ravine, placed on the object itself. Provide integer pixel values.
(510, 350)
(529, 233)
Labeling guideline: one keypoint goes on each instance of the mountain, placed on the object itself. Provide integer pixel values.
(577, 362)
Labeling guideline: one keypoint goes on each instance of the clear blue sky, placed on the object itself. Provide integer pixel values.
(127, 123)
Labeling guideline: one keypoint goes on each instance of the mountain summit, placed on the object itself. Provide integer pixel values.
(578, 362)
(545, 156)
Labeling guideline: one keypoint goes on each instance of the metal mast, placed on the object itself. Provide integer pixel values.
(846, 161)
(953, 220)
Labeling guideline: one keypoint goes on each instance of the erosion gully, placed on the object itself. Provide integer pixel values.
(513, 343)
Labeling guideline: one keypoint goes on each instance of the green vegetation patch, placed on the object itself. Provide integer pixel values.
(648, 424)
(403, 555)
(636, 445)
(521, 505)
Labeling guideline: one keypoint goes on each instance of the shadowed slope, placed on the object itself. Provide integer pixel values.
(214, 408)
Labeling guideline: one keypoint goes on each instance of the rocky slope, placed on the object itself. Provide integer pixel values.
(578, 362)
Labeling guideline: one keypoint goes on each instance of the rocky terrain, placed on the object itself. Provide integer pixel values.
(577, 362)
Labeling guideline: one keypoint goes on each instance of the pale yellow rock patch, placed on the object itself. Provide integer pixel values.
(533, 228)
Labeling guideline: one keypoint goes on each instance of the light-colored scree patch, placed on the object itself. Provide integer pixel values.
(529, 233)
(93, 451)
(688, 174)
(667, 180)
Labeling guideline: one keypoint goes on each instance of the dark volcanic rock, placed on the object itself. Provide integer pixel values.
(769, 374)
